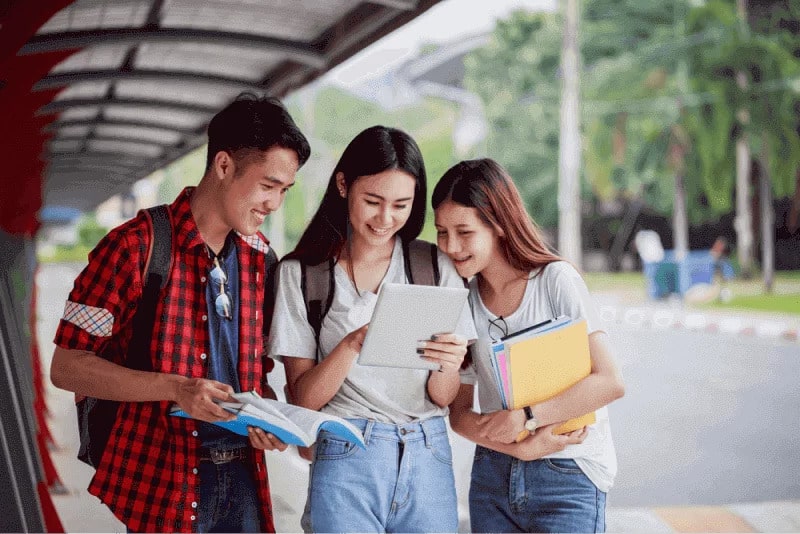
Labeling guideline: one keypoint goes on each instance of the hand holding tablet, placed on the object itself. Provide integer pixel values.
(406, 314)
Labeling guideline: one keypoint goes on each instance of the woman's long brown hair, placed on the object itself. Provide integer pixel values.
(485, 185)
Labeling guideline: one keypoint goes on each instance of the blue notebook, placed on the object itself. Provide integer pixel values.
(291, 424)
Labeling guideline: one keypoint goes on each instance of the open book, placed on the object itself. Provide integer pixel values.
(291, 424)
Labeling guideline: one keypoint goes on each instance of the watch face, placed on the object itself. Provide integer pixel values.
(531, 424)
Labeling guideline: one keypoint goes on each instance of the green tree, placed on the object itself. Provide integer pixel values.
(90, 232)
(515, 75)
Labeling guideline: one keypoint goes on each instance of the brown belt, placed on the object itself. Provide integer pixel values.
(222, 456)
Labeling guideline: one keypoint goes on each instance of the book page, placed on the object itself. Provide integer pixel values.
(309, 420)
(249, 415)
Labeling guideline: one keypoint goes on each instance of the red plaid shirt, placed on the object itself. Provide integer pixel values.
(148, 473)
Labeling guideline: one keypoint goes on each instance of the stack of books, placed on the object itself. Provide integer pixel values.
(539, 362)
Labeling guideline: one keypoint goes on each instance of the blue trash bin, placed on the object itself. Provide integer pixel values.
(661, 276)
(672, 276)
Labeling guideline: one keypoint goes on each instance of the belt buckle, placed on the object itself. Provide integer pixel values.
(223, 456)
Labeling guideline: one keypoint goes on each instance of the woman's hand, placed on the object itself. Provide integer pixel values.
(355, 339)
(448, 350)
(544, 442)
(502, 426)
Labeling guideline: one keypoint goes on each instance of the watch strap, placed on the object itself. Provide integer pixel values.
(528, 412)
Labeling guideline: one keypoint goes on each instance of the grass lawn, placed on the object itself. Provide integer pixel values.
(747, 294)
(772, 303)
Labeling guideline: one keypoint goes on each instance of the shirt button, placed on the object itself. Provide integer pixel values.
(194, 505)
(194, 471)
(205, 317)
(203, 356)
(194, 433)
(193, 518)
(203, 279)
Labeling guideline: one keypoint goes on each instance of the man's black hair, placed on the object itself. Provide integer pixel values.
(254, 122)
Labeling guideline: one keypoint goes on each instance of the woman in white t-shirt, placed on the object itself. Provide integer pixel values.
(545, 482)
(403, 481)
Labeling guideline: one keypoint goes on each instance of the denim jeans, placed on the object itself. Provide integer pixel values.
(547, 495)
(228, 498)
(402, 482)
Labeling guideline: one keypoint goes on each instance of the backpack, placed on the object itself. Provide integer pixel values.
(421, 264)
(96, 417)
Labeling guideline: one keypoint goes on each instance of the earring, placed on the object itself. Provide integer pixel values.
(341, 191)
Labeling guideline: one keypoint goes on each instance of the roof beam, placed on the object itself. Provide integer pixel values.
(89, 167)
(89, 178)
(115, 138)
(120, 159)
(54, 81)
(297, 51)
(154, 15)
(353, 32)
(404, 5)
(57, 106)
(53, 127)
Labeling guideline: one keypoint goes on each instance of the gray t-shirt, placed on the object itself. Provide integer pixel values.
(556, 290)
(389, 395)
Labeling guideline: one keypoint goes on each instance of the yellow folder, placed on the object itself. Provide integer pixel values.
(543, 366)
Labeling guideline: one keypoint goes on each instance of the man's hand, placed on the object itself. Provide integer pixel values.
(264, 440)
(196, 397)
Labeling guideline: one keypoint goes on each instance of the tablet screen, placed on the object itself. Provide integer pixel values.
(406, 314)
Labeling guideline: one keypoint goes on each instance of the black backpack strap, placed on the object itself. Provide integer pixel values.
(270, 273)
(317, 286)
(96, 417)
(421, 263)
(155, 276)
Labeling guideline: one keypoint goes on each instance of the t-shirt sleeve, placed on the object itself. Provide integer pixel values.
(468, 375)
(571, 297)
(449, 277)
(290, 334)
(104, 295)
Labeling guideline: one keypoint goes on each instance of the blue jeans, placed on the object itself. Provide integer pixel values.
(228, 498)
(547, 495)
(402, 482)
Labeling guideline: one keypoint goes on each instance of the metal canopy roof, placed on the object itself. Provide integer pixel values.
(97, 94)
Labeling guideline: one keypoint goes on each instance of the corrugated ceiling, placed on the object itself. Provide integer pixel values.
(104, 92)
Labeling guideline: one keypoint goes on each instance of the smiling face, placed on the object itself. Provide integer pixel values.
(472, 244)
(256, 187)
(379, 205)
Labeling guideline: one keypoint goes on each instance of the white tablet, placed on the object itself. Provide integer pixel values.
(406, 314)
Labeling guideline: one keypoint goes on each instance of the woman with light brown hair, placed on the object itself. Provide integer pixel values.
(547, 482)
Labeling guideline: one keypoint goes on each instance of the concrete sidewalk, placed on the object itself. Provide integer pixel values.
(81, 512)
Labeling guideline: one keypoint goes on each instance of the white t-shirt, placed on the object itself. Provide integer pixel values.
(385, 394)
(556, 290)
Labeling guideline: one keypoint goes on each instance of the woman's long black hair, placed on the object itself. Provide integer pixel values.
(372, 151)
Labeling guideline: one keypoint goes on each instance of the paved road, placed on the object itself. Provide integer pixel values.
(707, 419)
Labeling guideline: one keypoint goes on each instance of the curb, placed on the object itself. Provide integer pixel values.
(666, 319)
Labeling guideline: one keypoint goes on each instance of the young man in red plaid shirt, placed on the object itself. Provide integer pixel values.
(170, 474)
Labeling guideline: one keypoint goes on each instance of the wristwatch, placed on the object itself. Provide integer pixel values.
(531, 423)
